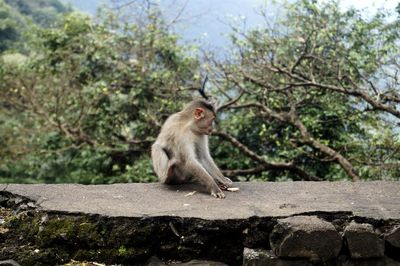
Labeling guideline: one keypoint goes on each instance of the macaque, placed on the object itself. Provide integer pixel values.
(181, 152)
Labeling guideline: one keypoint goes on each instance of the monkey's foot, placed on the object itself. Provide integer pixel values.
(224, 183)
(218, 194)
(223, 187)
(171, 176)
(171, 168)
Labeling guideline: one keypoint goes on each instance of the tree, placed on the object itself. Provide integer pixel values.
(317, 91)
(94, 96)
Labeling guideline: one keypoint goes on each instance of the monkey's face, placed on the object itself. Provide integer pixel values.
(204, 120)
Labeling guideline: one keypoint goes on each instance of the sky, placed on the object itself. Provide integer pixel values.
(206, 22)
(369, 4)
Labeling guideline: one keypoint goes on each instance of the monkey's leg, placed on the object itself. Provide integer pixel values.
(173, 175)
(161, 163)
(165, 168)
(179, 177)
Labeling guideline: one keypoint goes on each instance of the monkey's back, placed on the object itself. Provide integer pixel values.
(173, 134)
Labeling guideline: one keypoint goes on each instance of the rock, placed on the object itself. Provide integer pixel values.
(9, 263)
(391, 262)
(305, 237)
(201, 263)
(258, 257)
(262, 257)
(3, 199)
(257, 232)
(343, 261)
(393, 237)
(154, 261)
(363, 242)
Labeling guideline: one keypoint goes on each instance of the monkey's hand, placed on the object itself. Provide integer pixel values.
(224, 183)
(217, 192)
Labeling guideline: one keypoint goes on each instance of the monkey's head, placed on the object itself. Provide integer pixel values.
(203, 115)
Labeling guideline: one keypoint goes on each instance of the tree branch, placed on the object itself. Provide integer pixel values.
(264, 164)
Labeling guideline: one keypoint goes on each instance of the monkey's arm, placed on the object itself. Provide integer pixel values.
(210, 166)
(196, 169)
(214, 171)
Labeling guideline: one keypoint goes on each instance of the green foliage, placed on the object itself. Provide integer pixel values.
(88, 97)
(93, 97)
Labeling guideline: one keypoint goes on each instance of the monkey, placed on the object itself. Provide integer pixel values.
(180, 152)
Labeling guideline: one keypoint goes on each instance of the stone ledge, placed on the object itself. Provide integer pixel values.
(375, 200)
(294, 223)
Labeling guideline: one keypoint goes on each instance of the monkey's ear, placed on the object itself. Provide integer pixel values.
(198, 113)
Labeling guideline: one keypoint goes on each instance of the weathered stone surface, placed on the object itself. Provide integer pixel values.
(154, 261)
(305, 237)
(393, 237)
(9, 263)
(200, 263)
(257, 232)
(379, 200)
(122, 223)
(391, 262)
(258, 257)
(363, 242)
(344, 261)
(262, 257)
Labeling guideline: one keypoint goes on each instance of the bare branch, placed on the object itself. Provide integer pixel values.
(291, 118)
(264, 164)
(231, 102)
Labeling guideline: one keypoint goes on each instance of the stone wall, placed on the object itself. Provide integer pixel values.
(297, 223)
(310, 240)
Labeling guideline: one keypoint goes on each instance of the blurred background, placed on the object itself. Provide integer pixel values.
(305, 90)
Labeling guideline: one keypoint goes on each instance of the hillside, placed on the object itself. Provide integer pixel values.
(15, 15)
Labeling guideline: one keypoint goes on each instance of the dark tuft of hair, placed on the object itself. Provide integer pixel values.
(208, 105)
(201, 103)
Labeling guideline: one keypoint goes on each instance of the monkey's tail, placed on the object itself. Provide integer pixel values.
(160, 161)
